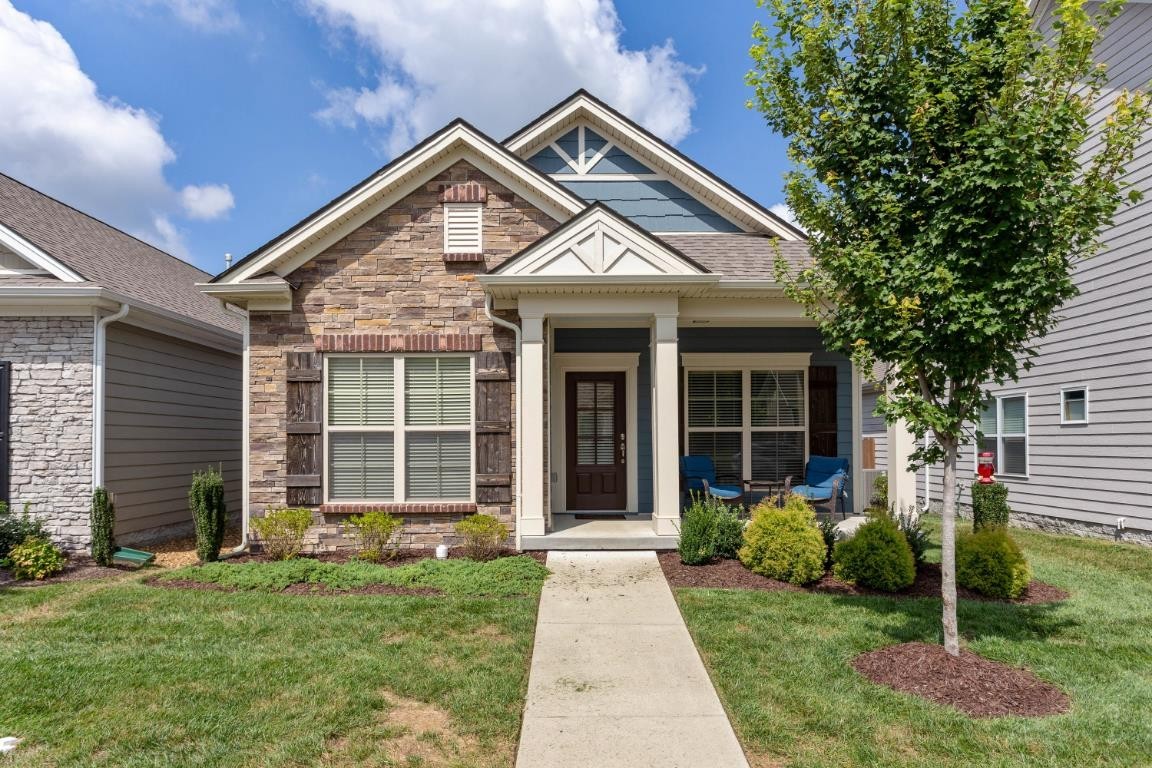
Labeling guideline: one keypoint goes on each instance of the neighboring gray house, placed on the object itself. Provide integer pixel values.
(1073, 436)
(114, 371)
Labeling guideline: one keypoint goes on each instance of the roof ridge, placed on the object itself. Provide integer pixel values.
(101, 222)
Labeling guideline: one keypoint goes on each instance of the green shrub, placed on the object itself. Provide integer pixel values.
(989, 505)
(103, 522)
(376, 533)
(829, 532)
(910, 524)
(483, 536)
(281, 531)
(880, 490)
(729, 533)
(784, 544)
(35, 558)
(206, 500)
(991, 563)
(878, 557)
(14, 528)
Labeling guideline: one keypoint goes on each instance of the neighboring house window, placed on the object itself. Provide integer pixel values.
(1004, 432)
(463, 228)
(1074, 405)
(753, 423)
(399, 428)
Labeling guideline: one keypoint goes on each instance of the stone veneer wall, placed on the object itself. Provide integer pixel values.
(51, 420)
(389, 278)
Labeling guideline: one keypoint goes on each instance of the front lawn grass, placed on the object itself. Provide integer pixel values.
(119, 673)
(780, 663)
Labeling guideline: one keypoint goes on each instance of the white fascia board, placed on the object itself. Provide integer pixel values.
(460, 142)
(560, 281)
(255, 297)
(624, 134)
(35, 256)
(68, 300)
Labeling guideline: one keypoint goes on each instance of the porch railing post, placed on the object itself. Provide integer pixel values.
(666, 425)
(531, 453)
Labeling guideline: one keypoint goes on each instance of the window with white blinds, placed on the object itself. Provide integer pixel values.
(463, 228)
(753, 423)
(1004, 432)
(399, 428)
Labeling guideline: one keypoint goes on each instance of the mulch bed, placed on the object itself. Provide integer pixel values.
(302, 589)
(974, 685)
(730, 574)
(402, 557)
(77, 569)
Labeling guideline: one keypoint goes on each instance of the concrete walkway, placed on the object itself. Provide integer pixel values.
(616, 681)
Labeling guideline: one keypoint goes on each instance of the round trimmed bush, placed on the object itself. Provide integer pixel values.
(991, 563)
(877, 557)
(784, 544)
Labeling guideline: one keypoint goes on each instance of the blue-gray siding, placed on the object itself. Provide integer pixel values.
(655, 205)
(1097, 472)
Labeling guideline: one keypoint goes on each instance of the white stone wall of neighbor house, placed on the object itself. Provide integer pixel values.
(51, 421)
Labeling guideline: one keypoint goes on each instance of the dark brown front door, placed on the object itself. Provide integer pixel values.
(596, 441)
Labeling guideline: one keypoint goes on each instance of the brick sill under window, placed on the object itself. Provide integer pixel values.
(453, 258)
(405, 507)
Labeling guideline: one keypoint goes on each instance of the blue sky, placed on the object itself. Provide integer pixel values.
(208, 126)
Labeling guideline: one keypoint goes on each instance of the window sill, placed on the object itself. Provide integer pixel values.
(401, 507)
(453, 258)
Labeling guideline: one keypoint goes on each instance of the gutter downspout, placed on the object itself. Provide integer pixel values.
(245, 400)
(99, 350)
(519, 395)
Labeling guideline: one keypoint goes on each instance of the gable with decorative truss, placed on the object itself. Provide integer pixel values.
(598, 242)
(599, 170)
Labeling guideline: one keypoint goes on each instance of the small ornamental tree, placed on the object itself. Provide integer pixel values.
(937, 161)
(210, 514)
(103, 524)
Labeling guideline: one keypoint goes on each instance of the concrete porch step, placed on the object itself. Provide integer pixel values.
(568, 533)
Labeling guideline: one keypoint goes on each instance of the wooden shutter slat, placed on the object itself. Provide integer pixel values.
(305, 405)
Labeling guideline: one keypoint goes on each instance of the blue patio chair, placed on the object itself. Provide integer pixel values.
(824, 480)
(698, 475)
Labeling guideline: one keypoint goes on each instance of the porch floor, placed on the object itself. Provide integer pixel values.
(568, 533)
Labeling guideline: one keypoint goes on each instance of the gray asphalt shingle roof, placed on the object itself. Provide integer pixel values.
(106, 257)
(739, 256)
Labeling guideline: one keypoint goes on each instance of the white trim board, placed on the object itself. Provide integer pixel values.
(36, 257)
(563, 363)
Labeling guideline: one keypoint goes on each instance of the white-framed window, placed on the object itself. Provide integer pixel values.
(1074, 405)
(463, 227)
(1004, 432)
(398, 428)
(752, 421)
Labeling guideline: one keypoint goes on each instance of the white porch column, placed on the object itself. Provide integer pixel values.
(901, 482)
(665, 427)
(860, 494)
(531, 522)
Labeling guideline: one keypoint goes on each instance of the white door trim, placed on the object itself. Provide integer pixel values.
(564, 363)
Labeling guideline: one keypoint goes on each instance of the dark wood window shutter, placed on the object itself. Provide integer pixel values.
(5, 428)
(305, 393)
(822, 410)
(493, 428)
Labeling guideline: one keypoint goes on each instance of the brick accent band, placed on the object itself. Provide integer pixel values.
(452, 258)
(409, 507)
(469, 192)
(409, 342)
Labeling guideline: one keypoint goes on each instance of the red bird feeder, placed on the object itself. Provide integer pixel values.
(985, 466)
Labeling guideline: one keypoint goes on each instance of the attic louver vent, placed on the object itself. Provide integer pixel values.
(463, 228)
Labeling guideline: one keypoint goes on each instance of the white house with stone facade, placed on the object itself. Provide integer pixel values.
(537, 328)
(114, 371)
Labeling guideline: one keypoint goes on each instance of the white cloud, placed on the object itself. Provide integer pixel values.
(785, 212)
(60, 135)
(207, 202)
(498, 63)
(207, 15)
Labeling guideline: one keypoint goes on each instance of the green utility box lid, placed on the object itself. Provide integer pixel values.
(133, 558)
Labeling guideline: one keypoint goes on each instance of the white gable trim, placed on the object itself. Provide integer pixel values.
(599, 243)
(36, 257)
(459, 142)
(583, 110)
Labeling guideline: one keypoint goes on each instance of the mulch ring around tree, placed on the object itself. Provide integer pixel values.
(78, 568)
(303, 589)
(976, 686)
(731, 574)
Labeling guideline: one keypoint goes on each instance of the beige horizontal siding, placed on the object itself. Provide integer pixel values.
(171, 408)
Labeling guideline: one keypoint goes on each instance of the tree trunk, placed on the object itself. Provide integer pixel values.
(948, 548)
